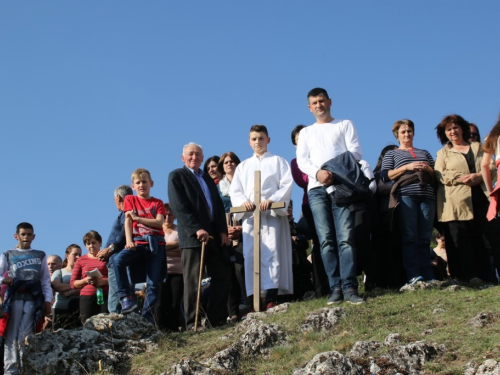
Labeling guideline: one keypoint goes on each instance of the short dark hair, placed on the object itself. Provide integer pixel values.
(477, 131)
(259, 129)
(23, 225)
(92, 234)
(214, 158)
(452, 119)
(296, 131)
(317, 92)
(232, 155)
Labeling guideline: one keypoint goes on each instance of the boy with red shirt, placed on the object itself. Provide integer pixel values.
(145, 240)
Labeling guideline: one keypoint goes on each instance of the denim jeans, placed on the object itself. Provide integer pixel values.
(335, 229)
(416, 220)
(114, 305)
(156, 272)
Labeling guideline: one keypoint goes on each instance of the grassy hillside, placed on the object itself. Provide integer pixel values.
(435, 315)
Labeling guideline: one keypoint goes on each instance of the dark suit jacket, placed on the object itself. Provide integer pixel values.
(189, 205)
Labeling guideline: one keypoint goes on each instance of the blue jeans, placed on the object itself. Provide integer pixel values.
(114, 305)
(335, 229)
(416, 220)
(156, 273)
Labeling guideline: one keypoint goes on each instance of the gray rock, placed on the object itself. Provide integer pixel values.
(427, 332)
(259, 338)
(279, 309)
(255, 341)
(481, 319)
(333, 363)
(421, 285)
(454, 288)
(488, 367)
(470, 368)
(189, 367)
(392, 339)
(438, 311)
(106, 342)
(322, 320)
(364, 349)
(412, 357)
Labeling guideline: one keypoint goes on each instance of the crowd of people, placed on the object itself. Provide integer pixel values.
(355, 221)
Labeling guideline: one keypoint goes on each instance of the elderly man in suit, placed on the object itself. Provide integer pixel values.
(196, 203)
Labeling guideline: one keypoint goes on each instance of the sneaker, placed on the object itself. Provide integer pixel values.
(335, 297)
(353, 297)
(415, 280)
(128, 305)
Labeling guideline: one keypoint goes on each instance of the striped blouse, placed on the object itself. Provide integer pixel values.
(84, 264)
(397, 158)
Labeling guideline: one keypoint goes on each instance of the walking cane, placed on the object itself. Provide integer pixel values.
(202, 260)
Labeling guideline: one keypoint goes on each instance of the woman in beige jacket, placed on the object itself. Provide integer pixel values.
(462, 203)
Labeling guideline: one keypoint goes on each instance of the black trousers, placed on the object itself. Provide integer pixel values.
(218, 268)
(168, 305)
(67, 318)
(89, 307)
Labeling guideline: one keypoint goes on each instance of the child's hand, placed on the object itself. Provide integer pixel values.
(130, 246)
(47, 308)
(249, 206)
(265, 205)
(131, 215)
(7, 280)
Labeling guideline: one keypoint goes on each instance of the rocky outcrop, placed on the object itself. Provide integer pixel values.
(488, 367)
(482, 319)
(330, 363)
(362, 359)
(255, 341)
(322, 320)
(106, 342)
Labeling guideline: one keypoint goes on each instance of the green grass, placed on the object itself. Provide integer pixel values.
(408, 314)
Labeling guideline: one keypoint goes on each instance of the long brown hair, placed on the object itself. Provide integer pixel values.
(490, 144)
(68, 251)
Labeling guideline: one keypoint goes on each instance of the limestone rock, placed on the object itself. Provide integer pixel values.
(454, 288)
(330, 363)
(279, 309)
(421, 285)
(438, 311)
(413, 356)
(322, 320)
(364, 349)
(259, 338)
(106, 342)
(482, 319)
(189, 367)
(392, 339)
(427, 332)
(488, 367)
(255, 341)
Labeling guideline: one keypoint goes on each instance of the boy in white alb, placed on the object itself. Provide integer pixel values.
(276, 186)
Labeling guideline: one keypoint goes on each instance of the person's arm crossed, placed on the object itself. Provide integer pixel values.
(151, 223)
(129, 244)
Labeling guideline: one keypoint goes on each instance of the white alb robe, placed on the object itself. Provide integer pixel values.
(276, 244)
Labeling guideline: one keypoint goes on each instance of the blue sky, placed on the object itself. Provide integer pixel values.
(91, 90)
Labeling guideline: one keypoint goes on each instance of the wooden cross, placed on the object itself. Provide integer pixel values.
(256, 237)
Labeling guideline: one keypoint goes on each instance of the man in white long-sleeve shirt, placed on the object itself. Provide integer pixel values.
(318, 143)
